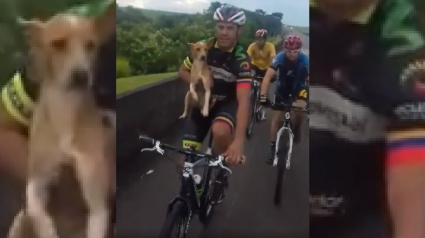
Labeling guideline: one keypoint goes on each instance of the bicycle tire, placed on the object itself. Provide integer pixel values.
(207, 209)
(179, 210)
(282, 154)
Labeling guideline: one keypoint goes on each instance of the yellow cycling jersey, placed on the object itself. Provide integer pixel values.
(261, 57)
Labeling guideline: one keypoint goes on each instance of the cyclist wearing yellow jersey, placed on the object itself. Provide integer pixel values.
(262, 54)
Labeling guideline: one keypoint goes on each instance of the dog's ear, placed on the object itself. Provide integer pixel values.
(106, 23)
(210, 43)
(32, 29)
(190, 45)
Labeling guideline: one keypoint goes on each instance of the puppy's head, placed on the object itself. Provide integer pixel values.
(199, 50)
(63, 49)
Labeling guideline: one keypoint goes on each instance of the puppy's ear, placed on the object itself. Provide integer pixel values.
(210, 43)
(32, 29)
(106, 24)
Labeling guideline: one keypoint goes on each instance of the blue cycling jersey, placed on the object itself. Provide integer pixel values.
(292, 74)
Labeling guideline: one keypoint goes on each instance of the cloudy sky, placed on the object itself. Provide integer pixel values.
(295, 12)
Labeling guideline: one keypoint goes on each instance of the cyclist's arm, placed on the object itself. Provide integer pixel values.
(271, 72)
(405, 164)
(184, 70)
(249, 50)
(243, 92)
(272, 52)
(302, 74)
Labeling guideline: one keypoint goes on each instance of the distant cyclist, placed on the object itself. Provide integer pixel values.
(293, 66)
(231, 72)
(262, 54)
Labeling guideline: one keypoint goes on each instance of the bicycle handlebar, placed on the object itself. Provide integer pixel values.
(158, 146)
(285, 106)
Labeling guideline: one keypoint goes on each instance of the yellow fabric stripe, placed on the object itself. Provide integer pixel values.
(403, 135)
(26, 100)
(226, 120)
(10, 107)
(188, 144)
(187, 63)
(244, 80)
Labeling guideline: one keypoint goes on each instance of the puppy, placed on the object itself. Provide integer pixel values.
(201, 82)
(67, 127)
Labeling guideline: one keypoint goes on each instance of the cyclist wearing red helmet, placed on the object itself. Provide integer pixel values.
(262, 54)
(293, 66)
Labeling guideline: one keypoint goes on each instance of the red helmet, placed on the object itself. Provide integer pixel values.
(262, 33)
(293, 42)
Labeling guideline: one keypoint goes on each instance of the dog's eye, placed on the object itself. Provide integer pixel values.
(198, 49)
(59, 44)
(90, 45)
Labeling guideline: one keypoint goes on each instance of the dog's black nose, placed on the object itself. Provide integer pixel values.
(80, 78)
(203, 57)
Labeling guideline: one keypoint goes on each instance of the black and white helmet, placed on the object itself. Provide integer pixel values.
(231, 14)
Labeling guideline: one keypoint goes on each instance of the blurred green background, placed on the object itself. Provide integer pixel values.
(12, 44)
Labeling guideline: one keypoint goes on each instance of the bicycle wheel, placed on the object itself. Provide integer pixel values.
(207, 208)
(253, 116)
(282, 154)
(176, 218)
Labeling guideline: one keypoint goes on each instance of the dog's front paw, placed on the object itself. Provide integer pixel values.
(205, 112)
(183, 116)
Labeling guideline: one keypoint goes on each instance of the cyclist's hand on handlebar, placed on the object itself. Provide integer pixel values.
(263, 99)
(234, 154)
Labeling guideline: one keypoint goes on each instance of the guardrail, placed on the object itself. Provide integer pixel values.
(153, 110)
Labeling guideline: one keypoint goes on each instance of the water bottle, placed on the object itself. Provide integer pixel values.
(197, 179)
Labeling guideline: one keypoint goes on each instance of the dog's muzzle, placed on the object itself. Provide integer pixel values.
(203, 58)
(80, 79)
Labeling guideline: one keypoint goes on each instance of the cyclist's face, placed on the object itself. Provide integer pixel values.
(260, 41)
(292, 54)
(226, 34)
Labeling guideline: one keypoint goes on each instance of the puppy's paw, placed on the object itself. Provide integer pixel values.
(183, 116)
(205, 112)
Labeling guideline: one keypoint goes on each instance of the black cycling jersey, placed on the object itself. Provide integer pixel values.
(367, 105)
(230, 69)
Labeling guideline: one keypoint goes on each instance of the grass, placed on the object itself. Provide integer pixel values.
(304, 30)
(131, 83)
(274, 40)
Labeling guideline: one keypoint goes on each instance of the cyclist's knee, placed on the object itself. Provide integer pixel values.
(221, 130)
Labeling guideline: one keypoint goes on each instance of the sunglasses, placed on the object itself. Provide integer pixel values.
(293, 51)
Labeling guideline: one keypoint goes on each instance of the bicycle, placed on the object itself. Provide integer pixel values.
(194, 196)
(256, 106)
(284, 143)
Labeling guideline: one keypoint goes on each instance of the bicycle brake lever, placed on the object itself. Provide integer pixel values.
(225, 168)
(156, 148)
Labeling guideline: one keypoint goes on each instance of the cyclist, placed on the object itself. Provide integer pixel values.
(290, 30)
(367, 119)
(17, 98)
(232, 87)
(261, 54)
(293, 72)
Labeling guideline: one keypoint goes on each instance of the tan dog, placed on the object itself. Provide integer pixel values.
(67, 128)
(201, 81)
